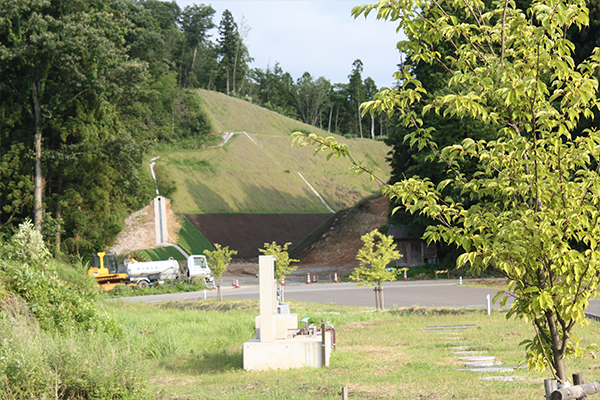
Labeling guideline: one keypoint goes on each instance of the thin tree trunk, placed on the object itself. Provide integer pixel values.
(373, 126)
(360, 123)
(330, 114)
(189, 81)
(57, 234)
(227, 82)
(381, 297)
(37, 190)
(557, 348)
(337, 114)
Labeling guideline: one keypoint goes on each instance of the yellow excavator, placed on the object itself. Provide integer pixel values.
(108, 272)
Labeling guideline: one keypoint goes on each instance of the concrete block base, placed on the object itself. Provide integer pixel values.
(298, 352)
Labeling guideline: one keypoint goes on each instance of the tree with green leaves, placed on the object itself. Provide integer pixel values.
(311, 95)
(282, 262)
(377, 253)
(218, 260)
(232, 53)
(196, 21)
(533, 202)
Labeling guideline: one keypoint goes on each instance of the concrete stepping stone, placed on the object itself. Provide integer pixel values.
(465, 353)
(480, 364)
(491, 369)
(462, 348)
(450, 327)
(501, 378)
(453, 338)
(477, 358)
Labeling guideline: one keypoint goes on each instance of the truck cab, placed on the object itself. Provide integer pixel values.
(197, 265)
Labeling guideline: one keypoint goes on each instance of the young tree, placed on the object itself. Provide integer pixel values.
(282, 262)
(376, 254)
(532, 210)
(218, 260)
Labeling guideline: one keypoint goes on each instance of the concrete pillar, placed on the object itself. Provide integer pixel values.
(268, 298)
(160, 220)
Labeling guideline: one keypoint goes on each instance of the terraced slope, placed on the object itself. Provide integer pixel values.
(257, 170)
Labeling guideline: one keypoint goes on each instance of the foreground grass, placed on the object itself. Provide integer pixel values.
(194, 350)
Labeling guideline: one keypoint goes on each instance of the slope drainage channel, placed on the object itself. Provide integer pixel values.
(472, 359)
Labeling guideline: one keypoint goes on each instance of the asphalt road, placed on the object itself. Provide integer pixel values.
(446, 293)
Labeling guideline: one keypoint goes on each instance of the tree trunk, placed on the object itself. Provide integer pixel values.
(360, 123)
(57, 235)
(227, 82)
(373, 126)
(37, 190)
(189, 81)
(219, 293)
(330, 114)
(376, 298)
(337, 114)
(381, 297)
(558, 358)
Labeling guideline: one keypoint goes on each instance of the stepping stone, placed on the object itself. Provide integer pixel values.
(501, 378)
(491, 369)
(480, 364)
(460, 348)
(450, 327)
(464, 353)
(477, 358)
(453, 338)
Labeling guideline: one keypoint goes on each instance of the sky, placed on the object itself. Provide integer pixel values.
(315, 36)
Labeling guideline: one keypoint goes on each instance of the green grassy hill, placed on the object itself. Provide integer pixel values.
(257, 170)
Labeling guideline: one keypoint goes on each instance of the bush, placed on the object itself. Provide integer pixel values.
(76, 365)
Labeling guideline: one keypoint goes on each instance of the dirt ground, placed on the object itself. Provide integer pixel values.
(139, 230)
(334, 251)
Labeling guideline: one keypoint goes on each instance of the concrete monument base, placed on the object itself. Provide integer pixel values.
(298, 352)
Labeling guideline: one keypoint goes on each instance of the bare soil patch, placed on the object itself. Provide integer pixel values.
(139, 230)
(247, 233)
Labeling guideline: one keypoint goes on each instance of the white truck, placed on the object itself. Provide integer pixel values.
(144, 274)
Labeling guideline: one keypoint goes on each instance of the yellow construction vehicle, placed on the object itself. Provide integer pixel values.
(108, 272)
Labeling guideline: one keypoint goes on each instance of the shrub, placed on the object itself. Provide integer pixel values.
(75, 365)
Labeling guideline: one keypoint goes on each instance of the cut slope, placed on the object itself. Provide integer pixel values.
(335, 245)
(257, 171)
(247, 233)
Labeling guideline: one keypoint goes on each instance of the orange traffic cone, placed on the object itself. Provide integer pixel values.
(237, 283)
(233, 282)
(213, 286)
(335, 280)
(405, 275)
(308, 279)
(314, 278)
(282, 281)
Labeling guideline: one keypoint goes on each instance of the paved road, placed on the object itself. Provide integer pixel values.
(401, 294)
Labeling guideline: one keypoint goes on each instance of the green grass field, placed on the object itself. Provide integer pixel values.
(194, 351)
(258, 171)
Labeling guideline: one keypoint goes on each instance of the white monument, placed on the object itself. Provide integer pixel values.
(276, 345)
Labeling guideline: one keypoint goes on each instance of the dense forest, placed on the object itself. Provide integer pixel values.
(88, 86)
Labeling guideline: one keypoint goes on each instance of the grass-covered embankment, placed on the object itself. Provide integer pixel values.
(258, 171)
